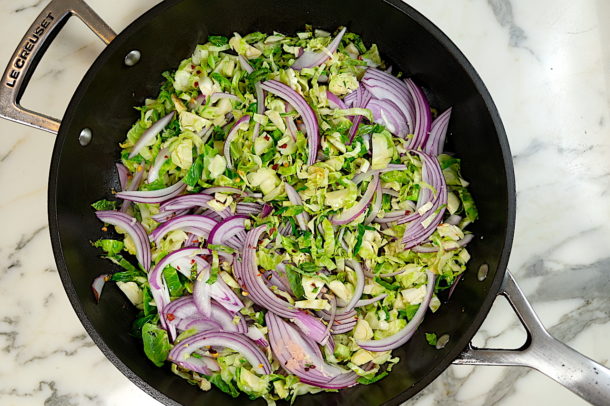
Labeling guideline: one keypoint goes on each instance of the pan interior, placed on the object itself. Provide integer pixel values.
(104, 103)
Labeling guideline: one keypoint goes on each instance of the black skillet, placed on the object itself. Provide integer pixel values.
(101, 111)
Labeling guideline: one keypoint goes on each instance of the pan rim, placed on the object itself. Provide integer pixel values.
(445, 361)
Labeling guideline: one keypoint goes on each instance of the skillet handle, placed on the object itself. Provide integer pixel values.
(31, 49)
(583, 376)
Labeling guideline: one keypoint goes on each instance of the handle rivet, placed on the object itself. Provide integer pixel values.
(84, 138)
(132, 57)
(482, 274)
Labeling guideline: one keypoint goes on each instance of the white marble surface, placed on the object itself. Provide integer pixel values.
(547, 66)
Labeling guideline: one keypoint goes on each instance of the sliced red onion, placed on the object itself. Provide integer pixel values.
(151, 133)
(227, 228)
(386, 113)
(350, 98)
(307, 114)
(432, 248)
(191, 223)
(154, 196)
(334, 101)
(438, 130)
(363, 96)
(377, 200)
(290, 125)
(310, 59)
(295, 199)
(311, 326)
(252, 282)
(201, 295)
(245, 65)
(296, 355)
(384, 86)
(187, 201)
(266, 210)
(98, 285)
(134, 184)
(134, 230)
(123, 175)
(421, 227)
(199, 324)
(343, 328)
(422, 118)
(255, 335)
(164, 216)
(229, 321)
(358, 289)
(454, 220)
(203, 365)
(352, 213)
(182, 353)
(396, 340)
(333, 313)
(366, 302)
(153, 173)
(227, 147)
(248, 208)
(224, 296)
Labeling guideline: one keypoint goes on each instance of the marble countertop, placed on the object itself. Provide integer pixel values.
(547, 66)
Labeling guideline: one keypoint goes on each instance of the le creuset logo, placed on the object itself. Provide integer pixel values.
(27, 49)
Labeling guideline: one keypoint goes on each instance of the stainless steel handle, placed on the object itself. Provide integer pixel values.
(583, 376)
(31, 49)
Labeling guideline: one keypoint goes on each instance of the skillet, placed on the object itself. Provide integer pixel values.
(100, 113)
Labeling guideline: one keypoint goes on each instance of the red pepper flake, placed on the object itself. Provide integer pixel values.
(192, 261)
(166, 156)
(192, 66)
(198, 71)
(407, 211)
(170, 317)
(196, 84)
(283, 146)
(266, 137)
(272, 230)
(274, 167)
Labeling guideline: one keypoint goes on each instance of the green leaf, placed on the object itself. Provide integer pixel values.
(468, 203)
(195, 171)
(134, 275)
(104, 205)
(254, 37)
(148, 301)
(294, 279)
(367, 381)
(156, 185)
(218, 40)
(226, 387)
(361, 230)
(136, 327)
(215, 268)
(111, 247)
(122, 262)
(156, 343)
(387, 285)
(172, 280)
(409, 312)
(431, 338)
(224, 82)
